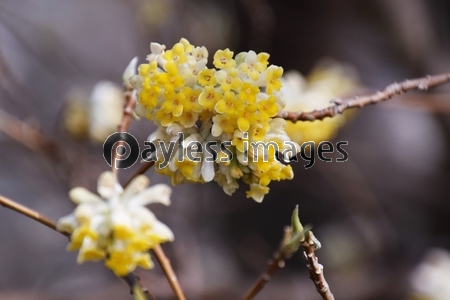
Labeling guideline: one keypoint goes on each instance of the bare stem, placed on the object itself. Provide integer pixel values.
(131, 279)
(315, 269)
(130, 103)
(273, 265)
(25, 133)
(421, 84)
(32, 214)
(169, 272)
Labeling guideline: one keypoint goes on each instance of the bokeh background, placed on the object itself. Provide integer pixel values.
(382, 216)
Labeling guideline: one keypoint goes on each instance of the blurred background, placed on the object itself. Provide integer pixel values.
(382, 216)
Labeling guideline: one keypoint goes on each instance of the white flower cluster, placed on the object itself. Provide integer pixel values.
(118, 228)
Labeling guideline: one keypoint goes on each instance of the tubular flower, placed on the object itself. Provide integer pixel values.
(219, 111)
(116, 226)
(327, 81)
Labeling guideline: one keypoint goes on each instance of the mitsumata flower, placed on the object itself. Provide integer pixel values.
(236, 101)
(116, 227)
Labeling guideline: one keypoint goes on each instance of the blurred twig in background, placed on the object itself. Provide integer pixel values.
(26, 134)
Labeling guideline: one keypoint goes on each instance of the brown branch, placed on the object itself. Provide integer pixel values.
(421, 84)
(130, 103)
(294, 237)
(28, 212)
(131, 279)
(273, 265)
(315, 269)
(169, 272)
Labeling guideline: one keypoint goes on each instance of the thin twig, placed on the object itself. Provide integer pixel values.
(131, 279)
(421, 84)
(28, 212)
(169, 272)
(9, 83)
(130, 103)
(25, 134)
(315, 269)
(273, 265)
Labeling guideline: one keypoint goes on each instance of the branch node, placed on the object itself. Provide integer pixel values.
(423, 86)
(336, 101)
(266, 277)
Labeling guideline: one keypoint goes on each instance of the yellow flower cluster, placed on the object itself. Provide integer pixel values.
(236, 101)
(119, 230)
(327, 81)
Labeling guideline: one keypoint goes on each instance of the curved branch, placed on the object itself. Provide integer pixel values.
(273, 265)
(284, 252)
(169, 272)
(421, 84)
(28, 212)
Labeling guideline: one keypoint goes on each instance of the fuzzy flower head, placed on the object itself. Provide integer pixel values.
(116, 226)
(94, 117)
(235, 101)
